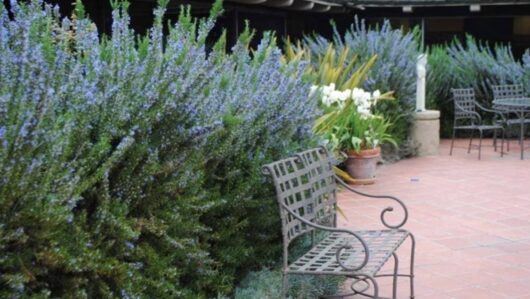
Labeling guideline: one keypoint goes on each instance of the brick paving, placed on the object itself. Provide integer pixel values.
(471, 220)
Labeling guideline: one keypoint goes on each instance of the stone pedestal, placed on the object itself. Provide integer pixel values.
(426, 132)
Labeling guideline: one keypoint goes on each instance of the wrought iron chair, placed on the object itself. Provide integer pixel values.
(509, 91)
(467, 118)
(306, 190)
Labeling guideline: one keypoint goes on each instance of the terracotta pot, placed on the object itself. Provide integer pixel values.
(361, 165)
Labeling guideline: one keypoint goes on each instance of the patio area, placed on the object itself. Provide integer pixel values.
(471, 220)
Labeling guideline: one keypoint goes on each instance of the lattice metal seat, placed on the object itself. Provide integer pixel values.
(467, 118)
(514, 121)
(321, 258)
(307, 196)
(483, 127)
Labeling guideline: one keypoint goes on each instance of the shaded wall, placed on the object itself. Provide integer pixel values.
(500, 23)
(497, 24)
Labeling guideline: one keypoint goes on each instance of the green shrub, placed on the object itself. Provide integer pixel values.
(440, 79)
(131, 165)
(267, 284)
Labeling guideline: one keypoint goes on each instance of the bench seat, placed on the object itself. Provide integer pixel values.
(306, 192)
(321, 258)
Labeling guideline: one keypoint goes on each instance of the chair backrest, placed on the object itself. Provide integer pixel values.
(507, 91)
(464, 101)
(305, 184)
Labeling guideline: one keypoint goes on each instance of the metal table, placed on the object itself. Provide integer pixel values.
(519, 106)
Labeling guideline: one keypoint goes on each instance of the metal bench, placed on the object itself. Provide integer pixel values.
(306, 189)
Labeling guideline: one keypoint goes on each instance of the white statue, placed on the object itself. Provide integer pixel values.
(421, 70)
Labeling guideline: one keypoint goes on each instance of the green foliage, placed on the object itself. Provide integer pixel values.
(394, 70)
(471, 64)
(267, 284)
(354, 127)
(479, 65)
(331, 67)
(440, 79)
(264, 284)
(131, 165)
(348, 123)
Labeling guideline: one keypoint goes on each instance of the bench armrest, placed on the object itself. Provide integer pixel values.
(335, 230)
(386, 210)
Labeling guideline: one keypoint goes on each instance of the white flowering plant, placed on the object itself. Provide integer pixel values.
(350, 122)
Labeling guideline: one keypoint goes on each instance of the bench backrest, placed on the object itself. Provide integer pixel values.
(305, 184)
(464, 101)
(507, 91)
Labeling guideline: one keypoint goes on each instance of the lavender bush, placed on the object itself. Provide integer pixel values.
(475, 64)
(395, 67)
(130, 165)
(526, 71)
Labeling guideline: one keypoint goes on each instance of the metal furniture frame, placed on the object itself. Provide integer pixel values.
(510, 92)
(519, 106)
(467, 118)
(306, 190)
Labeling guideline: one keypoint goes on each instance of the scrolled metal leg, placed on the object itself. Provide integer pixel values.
(412, 255)
(361, 292)
(495, 140)
(376, 286)
(470, 141)
(521, 133)
(452, 142)
(373, 282)
(480, 144)
(394, 282)
(508, 136)
(521, 138)
(285, 285)
(502, 143)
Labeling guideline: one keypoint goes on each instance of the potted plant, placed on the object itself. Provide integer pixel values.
(352, 128)
(348, 124)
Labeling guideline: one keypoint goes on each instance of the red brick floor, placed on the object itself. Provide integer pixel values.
(471, 220)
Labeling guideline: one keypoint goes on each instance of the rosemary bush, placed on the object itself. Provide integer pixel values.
(130, 165)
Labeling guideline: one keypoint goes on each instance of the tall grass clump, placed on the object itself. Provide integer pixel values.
(393, 70)
(130, 165)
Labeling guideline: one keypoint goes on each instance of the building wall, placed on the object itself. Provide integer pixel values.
(493, 24)
(504, 24)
